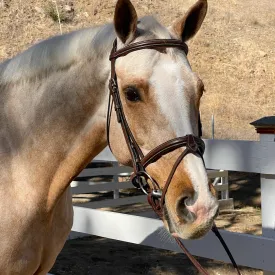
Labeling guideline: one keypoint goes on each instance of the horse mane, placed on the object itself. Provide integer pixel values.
(62, 51)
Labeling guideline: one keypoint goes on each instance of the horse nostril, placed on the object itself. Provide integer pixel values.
(182, 211)
(190, 200)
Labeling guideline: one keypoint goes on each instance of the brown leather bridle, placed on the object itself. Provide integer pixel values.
(193, 144)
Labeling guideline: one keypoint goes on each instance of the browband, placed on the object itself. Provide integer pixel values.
(148, 44)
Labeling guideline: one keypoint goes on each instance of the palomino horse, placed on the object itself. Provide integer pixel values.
(54, 99)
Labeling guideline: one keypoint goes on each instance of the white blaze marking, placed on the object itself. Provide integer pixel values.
(174, 103)
(169, 86)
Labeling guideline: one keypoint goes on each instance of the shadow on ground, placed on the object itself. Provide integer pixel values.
(245, 189)
(100, 256)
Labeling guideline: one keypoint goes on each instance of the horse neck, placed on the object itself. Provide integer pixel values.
(61, 126)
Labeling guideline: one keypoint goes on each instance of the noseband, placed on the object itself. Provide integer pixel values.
(193, 144)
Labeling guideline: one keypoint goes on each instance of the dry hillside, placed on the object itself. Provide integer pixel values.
(234, 52)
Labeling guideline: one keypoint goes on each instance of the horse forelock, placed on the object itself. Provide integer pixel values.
(151, 27)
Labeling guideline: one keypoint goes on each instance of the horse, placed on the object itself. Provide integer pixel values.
(54, 100)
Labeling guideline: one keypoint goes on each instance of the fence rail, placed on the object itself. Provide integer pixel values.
(80, 186)
(248, 250)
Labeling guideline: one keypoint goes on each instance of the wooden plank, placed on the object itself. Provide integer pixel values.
(225, 193)
(237, 155)
(86, 186)
(233, 155)
(268, 205)
(105, 155)
(126, 171)
(117, 179)
(216, 174)
(106, 171)
(248, 250)
(83, 187)
(117, 202)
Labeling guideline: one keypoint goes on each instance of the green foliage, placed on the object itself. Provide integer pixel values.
(56, 15)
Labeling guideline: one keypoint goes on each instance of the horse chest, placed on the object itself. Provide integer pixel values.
(30, 239)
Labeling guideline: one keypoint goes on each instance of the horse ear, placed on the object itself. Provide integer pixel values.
(125, 21)
(187, 26)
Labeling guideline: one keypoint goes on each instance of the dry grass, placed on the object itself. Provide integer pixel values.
(234, 51)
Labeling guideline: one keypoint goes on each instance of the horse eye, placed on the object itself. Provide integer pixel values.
(132, 94)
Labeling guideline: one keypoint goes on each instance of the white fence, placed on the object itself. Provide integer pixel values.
(248, 250)
(80, 186)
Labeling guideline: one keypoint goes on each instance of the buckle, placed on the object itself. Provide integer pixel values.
(156, 194)
(140, 182)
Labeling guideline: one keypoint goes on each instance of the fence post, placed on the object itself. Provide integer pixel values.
(224, 194)
(116, 179)
(266, 128)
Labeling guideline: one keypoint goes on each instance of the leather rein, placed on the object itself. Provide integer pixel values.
(193, 144)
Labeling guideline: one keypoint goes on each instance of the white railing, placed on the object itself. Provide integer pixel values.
(248, 250)
(87, 186)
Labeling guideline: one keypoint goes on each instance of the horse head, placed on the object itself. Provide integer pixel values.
(160, 95)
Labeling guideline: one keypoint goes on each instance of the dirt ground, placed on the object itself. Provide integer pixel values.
(101, 256)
